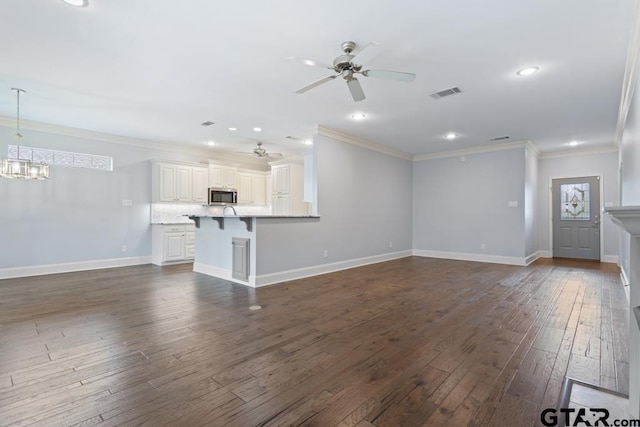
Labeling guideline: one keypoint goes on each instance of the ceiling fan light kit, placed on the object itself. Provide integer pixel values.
(348, 65)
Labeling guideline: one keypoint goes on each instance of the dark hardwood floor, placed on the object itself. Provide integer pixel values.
(411, 342)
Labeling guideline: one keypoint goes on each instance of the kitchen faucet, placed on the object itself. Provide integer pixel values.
(232, 208)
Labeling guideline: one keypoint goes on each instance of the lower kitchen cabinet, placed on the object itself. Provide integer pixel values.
(172, 244)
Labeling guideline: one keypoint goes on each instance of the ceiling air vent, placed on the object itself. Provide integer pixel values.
(445, 92)
(500, 138)
(207, 123)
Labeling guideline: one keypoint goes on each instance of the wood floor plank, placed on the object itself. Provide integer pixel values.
(414, 341)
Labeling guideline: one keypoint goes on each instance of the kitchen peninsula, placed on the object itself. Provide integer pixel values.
(230, 246)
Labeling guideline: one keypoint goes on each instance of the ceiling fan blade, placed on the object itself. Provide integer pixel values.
(368, 53)
(274, 154)
(316, 83)
(355, 89)
(390, 75)
(309, 62)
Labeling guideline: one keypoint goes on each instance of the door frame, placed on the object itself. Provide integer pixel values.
(550, 213)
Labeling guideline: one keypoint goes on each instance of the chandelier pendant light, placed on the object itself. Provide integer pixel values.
(17, 167)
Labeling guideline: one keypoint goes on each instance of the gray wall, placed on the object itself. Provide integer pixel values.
(530, 203)
(603, 164)
(364, 200)
(629, 163)
(461, 202)
(77, 215)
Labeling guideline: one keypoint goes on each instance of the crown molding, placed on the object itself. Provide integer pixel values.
(478, 150)
(361, 142)
(579, 152)
(631, 73)
(10, 122)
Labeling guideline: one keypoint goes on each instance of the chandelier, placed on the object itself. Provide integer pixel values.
(17, 167)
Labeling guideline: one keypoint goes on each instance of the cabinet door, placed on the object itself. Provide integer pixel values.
(244, 188)
(173, 246)
(240, 258)
(200, 183)
(184, 186)
(229, 178)
(258, 189)
(216, 176)
(166, 183)
(284, 179)
(280, 205)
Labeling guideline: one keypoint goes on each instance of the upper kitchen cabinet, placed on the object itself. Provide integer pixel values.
(179, 183)
(223, 175)
(287, 187)
(252, 187)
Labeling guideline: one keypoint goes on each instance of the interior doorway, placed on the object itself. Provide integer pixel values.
(576, 217)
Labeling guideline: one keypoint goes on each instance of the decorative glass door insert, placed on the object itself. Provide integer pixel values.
(575, 202)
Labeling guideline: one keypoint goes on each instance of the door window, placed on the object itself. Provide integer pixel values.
(575, 202)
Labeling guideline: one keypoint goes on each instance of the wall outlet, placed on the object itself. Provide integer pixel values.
(123, 248)
(326, 253)
(483, 246)
(126, 202)
(513, 204)
(390, 244)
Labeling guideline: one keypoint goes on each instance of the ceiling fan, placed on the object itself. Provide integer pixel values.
(261, 152)
(348, 65)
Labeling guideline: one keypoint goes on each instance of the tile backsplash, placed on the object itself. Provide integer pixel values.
(173, 213)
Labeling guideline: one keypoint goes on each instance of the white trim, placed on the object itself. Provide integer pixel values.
(601, 181)
(117, 139)
(221, 273)
(534, 256)
(475, 150)
(579, 152)
(361, 142)
(493, 259)
(67, 267)
(631, 73)
(545, 254)
(624, 277)
(300, 273)
(610, 258)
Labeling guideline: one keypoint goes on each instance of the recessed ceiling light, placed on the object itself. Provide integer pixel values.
(574, 143)
(233, 129)
(211, 143)
(451, 135)
(307, 142)
(77, 3)
(528, 71)
(256, 129)
(358, 116)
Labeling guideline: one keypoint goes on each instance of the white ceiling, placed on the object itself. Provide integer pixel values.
(156, 69)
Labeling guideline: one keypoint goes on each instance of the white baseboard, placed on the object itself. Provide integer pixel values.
(298, 273)
(534, 256)
(610, 258)
(221, 273)
(67, 267)
(494, 259)
(545, 254)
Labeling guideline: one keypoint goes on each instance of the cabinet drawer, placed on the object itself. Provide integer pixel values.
(190, 237)
(174, 228)
(190, 251)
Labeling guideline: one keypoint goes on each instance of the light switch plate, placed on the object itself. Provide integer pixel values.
(126, 202)
(513, 203)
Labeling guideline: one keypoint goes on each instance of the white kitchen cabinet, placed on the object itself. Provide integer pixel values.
(222, 176)
(200, 184)
(172, 244)
(287, 183)
(252, 188)
(176, 183)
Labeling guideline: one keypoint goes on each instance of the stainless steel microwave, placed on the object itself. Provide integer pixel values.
(223, 196)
